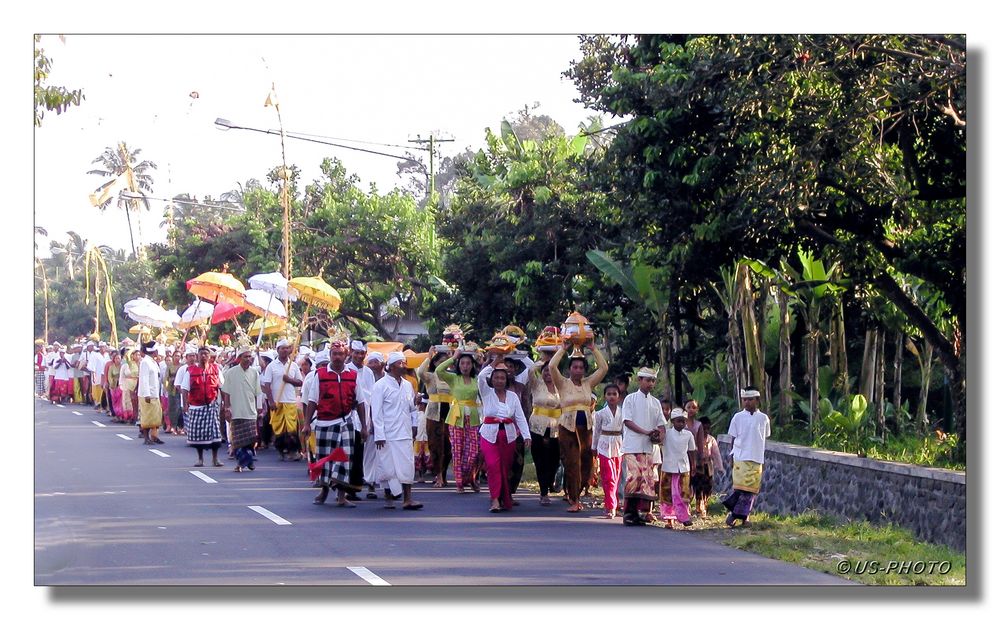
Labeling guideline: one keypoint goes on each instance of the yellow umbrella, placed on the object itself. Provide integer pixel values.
(139, 329)
(273, 325)
(214, 287)
(316, 292)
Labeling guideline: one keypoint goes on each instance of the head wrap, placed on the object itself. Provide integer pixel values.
(378, 357)
(323, 357)
(750, 392)
(242, 350)
(149, 348)
(394, 357)
(677, 412)
(646, 372)
(357, 345)
(283, 343)
(338, 344)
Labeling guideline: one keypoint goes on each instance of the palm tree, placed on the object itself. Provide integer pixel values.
(239, 194)
(118, 161)
(40, 231)
(72, 251)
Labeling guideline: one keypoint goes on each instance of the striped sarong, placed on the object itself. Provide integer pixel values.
(40, 382)
(328, 439)
(465, 451)
(244, 432)
(202, 425)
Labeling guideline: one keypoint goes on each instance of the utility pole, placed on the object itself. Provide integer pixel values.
(430, 142)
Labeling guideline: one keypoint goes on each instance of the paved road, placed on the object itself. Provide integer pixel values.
(108, 510)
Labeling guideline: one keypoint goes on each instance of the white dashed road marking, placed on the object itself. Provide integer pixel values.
(368, 576)
(270, 515)
(198, 474)
(158, 453)
(96, 423)
(58, 405)
(125, 437)
(77, 413)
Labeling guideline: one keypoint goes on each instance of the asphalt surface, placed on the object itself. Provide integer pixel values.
(109, 511)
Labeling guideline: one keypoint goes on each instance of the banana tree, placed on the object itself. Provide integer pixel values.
(637, 281)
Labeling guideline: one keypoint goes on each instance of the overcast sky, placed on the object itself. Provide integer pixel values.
(381, 89)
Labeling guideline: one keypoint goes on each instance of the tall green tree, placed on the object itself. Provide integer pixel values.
(516, 233)
(49, 97)
(752, 145)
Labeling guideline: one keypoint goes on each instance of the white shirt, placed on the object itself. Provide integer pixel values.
(492, 407)
(391, 405)
(645, 411)
(608, 446)
(149, 378)
(95, 363)
(273, 377)
(748, 432)
(61, 371)
(675, 450)
(47, 362)
(366, 383)
(180, 376)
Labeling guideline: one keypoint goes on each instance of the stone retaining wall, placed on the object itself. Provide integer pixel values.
(929, 502)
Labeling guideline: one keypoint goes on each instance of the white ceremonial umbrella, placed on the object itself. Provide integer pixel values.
(275, 285)
(198, 312)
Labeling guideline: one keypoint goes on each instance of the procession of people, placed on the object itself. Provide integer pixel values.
(361, 418)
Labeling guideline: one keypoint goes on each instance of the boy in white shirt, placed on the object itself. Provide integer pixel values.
(679, 455)
(607, 445)
(749, 429)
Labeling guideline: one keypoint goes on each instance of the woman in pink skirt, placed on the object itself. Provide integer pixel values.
(503, 420)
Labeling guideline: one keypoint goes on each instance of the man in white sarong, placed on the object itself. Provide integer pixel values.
(392, 404)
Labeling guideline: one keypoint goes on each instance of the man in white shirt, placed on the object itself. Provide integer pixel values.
(366, 383)
(84, 373)
(376, 364)
(95, 367)
(190, 359)
(62, 377)
(392, 403)
(150, 411)
(643, 427)
(749, 429)
(279, 381)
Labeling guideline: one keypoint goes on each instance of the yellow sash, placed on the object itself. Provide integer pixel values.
(439, 398)
(578, 407)
(547, 412)
(456, 415)
(747, 475)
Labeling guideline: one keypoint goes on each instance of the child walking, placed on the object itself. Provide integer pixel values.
(679, 454)
(710, 463)
(607, 445)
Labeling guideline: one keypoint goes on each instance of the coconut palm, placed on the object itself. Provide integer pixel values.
(40, 231)
(118, 161)
(69, 253)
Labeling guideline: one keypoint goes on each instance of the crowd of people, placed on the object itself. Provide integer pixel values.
(364, 421)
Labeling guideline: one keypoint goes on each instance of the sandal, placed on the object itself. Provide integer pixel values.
(217, 464)
(544, 500)
(346, 504)
(413, 506)
(199, 464)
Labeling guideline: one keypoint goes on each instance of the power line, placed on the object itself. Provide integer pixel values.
(312, 135)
